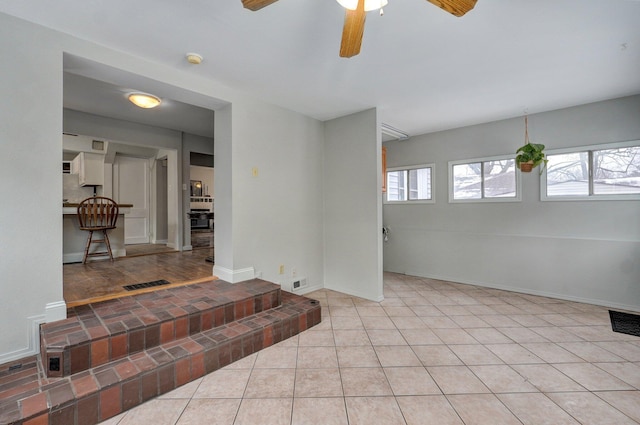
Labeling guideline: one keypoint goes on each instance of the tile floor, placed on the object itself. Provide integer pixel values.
(432, 352)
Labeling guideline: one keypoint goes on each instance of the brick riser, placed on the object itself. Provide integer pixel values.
(94, 335)
(100, 393)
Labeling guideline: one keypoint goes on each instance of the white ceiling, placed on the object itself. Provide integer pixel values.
(424, 69)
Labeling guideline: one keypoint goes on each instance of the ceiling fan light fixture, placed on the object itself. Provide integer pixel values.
(368, 4)
(144, 100)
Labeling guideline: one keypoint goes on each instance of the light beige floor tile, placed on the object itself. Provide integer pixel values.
(436, 355)
(210, 412)
(502, 379)
(157, 412)
(481, 309)
(590, 352)
(559, 319)
(420, 337)
(416, 301)
(482, 409)
(392, 301)
(364, 382)
(499, 321)
(547, 379)
(386, 337)
(592, 333)
(454, 336)
(318, 383)
(470, 322)
(457, 380)
(277, 357)
(373, 410)
(316, 338)
(274, 411)
(475, 355)
(341, 301)
(628, 402)
(488, 336)
(426, 310)
(440, 322)
(626, 350)
(555, 334)
(224, 384)
(628, 372)
(536, 409)
(514, 354)
(522, 335)
(324, 325)
(551, 352)
(371, 311)
(270, 383)
(454, 310)
(397, 311)
(411, 381)
(317, 357)
(294, 340)
(346, 337)
(342, 311)
(357, 357)
(409, 323)
(592, 377)
(314, 411)
(394, 355)
(530, 320)
(428, 410)
(374, 322)
(588, 409)
(340, 322)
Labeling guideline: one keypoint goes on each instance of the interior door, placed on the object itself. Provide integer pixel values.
(131, 186)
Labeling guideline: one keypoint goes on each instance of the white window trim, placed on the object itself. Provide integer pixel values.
(415, 201)
(576, 149)
(517, 198)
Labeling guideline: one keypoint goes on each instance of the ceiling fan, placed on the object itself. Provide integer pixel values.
(354, 18)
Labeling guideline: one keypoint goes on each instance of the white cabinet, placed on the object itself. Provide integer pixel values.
(90, 168)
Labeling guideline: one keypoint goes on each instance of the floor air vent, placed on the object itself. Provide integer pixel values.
(146, 284)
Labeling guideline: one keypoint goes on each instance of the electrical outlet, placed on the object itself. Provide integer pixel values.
(294, 273)
(281, 270)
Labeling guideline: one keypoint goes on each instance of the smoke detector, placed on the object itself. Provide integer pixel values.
(194, 58)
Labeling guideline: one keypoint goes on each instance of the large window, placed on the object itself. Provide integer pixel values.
(597, 172)
(410, 184)
(484, 180)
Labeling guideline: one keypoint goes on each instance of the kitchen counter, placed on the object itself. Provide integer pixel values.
(74, 240)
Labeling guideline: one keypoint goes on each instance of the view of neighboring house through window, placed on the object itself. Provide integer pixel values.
(410, 184)
(485, 179)
(603, 171)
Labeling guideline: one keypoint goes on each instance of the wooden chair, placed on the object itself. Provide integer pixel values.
(97, 214)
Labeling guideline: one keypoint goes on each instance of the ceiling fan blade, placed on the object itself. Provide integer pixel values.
(256, 4)
(455, 7)
(353, 31)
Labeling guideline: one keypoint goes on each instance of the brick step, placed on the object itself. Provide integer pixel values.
(99, 393)
(97, 334)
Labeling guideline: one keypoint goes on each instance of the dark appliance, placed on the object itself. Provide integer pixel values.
(200, 218)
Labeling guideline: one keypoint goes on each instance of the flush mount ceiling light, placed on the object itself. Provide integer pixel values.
(144, 100)
(194, 58)
(368, 4)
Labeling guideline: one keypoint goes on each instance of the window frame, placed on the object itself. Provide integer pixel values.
(413, 201)
(591, 197)
(517, 198)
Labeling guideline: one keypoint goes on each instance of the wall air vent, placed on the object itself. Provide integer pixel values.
(97, 145)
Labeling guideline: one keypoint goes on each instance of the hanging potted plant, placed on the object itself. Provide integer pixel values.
(530, 155)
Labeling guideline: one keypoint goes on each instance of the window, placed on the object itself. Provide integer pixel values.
(484, 180)
(410, 184)
(597, 172)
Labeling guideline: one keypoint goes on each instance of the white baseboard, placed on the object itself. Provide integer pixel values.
(76, 257)
(234, 276)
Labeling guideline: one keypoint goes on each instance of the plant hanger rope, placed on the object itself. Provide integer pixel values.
(526, 129)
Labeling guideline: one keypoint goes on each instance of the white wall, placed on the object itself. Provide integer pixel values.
(277, 210)
(587, 251)
(352, 205)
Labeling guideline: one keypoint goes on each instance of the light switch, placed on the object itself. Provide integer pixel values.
(254, 171)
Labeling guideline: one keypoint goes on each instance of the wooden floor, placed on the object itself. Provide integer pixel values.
(104, 279)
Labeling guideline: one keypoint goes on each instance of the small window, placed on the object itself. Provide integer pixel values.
(410, 184)
(599, 172)
(484, 180)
